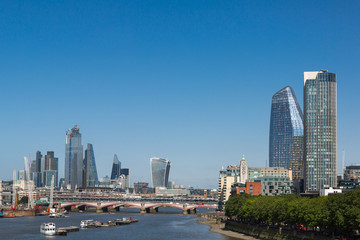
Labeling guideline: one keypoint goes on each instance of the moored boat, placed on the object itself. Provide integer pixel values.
(56, 215)
(48, 229)
(86, 223)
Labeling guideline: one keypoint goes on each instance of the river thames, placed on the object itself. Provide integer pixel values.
(167, 224)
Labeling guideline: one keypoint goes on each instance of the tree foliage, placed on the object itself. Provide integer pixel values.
(339, 213)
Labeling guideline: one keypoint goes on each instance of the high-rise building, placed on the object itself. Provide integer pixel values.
(49, 168)
(90, 173)
(286, 146)
(320, 130)
(116, 168)
(73, 158)
(160, 169)
(38, 161)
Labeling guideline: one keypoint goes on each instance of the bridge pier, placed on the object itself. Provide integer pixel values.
(111, 209)
(192, 211)
(74, 209)
(142, 209)
(99, 209)
(153, 210)
(185, 210)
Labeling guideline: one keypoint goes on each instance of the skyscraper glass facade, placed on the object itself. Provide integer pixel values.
(73, 158)
(90, 172)
(286, 133)
(320, 129)
(160, 169)
(116, 168)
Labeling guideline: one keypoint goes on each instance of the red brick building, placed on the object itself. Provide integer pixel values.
(252, 188)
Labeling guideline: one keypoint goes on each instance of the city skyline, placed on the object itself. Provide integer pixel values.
(190, 82)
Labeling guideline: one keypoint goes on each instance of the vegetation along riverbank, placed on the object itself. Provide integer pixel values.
(335, 216)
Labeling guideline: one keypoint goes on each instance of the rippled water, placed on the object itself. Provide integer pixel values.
(168, 224)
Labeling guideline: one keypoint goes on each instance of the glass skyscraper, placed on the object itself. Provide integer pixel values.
(116, 168)
(286, 133)
(320, 129)
(73, 158)
(160, 169)
(90, 173)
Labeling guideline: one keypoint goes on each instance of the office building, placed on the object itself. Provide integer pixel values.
(258, 172)
(116, 168)
(352, 172)
(22, 175)
(73, 158)
(49, 168)
(160, 169)
(90, 174)
(273, 186)
(320, 130)
(286, 133)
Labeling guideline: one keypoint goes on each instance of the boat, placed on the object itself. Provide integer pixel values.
(85, 223)
(90, 224)
(8, 215)
(56, 215)
(48, 229)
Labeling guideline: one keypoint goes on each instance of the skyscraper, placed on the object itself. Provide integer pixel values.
(73, 158)
(90, 173)
(286, 133)
(320, 129)
(160, 169)
(50, 168)
(116, 168)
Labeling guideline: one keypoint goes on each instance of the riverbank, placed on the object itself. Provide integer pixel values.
(216, 225)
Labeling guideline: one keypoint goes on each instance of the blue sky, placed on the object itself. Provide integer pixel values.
(190, 81)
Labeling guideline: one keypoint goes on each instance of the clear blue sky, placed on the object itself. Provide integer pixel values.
(190, 81)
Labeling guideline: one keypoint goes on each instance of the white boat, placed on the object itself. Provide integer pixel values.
(56, 215)
(86, 223)
(48, 229)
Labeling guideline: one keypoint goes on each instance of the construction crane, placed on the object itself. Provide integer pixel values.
(14, 189)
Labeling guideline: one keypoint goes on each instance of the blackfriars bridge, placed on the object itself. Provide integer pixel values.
(148, 205)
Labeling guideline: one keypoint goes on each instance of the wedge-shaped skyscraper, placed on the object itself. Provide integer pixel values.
(320, 129)
(116, 168)
(286, 133)
(90, 173)
(160, 169)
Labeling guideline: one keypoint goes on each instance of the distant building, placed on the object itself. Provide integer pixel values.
(329, 191)
(320, 130)
(124, 171)
(47, 177)
(352, 172)
(251, 188)
(90, 177)
(286, 133)
(272, 186)
(257, 172)
(116, 168)
(73, 158)
(124, 181)
(51, 168)
(162, 191)
(226, 179)
(160, 169)
(22, 175)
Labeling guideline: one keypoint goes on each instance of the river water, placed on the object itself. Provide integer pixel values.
(167, 224)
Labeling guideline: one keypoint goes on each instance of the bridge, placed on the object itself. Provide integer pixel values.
(144, 206)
